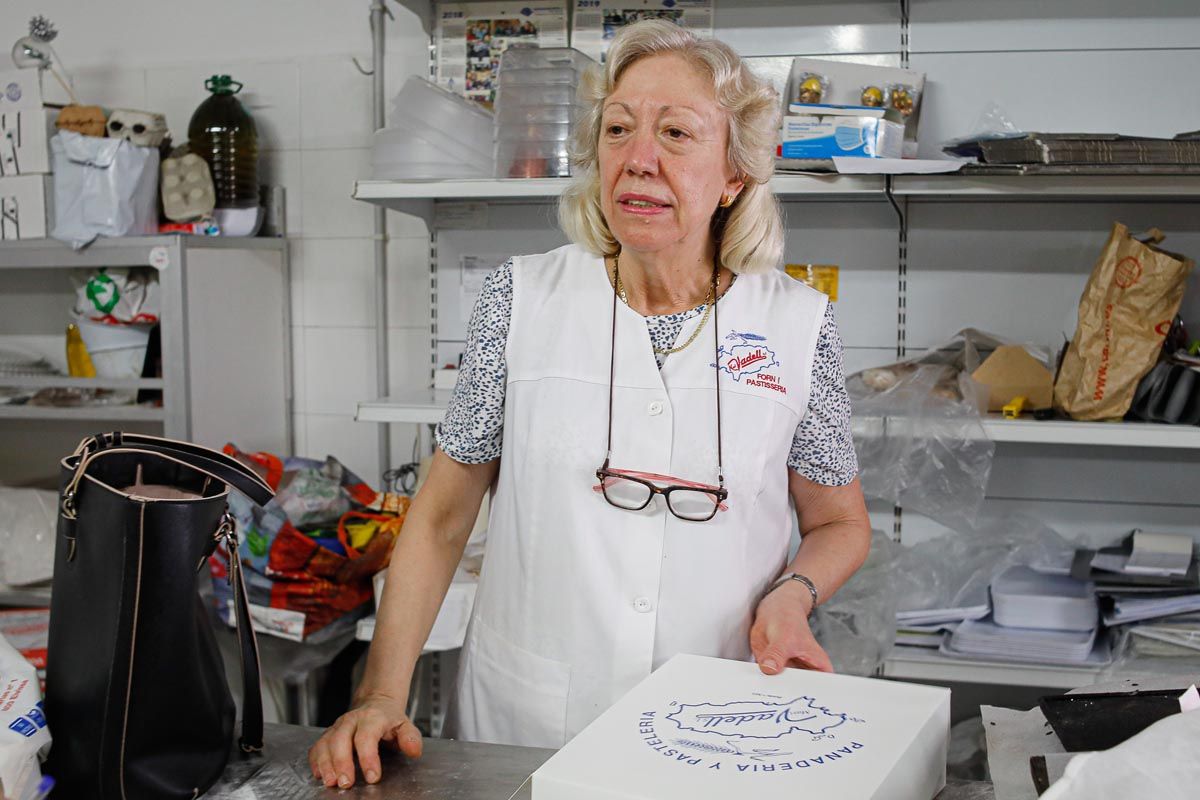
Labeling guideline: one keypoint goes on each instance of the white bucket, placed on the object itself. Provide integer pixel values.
(117, 351)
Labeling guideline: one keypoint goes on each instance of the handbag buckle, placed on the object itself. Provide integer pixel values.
(226, 533)
(68, 505)
(69, 514)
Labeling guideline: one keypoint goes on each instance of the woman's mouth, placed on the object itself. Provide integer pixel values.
(641, 204)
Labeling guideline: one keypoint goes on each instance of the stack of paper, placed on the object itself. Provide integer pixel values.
(923, 635)
(971, 602)
(1146, 553)
(1171, 638)
(985, 639)
(1133, 608)
(1144, 563)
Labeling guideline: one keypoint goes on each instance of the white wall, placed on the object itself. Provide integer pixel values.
(313, 112)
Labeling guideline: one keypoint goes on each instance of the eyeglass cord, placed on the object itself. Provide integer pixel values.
(612, 374)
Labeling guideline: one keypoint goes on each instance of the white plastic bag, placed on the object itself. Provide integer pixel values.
(27, 526)
(119, 296)
(103, 187)
(24, 737)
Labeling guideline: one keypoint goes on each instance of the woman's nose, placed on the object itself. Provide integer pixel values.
(642, 155)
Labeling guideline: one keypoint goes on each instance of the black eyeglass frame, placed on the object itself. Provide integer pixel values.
(604, 470)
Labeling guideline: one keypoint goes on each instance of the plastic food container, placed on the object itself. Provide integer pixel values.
(522, 158)
(514, 114)
(437, 115)
(540, 76)
(400, 155)
(542, 57)
(1025, 598)
(548, 132)
(555, 95)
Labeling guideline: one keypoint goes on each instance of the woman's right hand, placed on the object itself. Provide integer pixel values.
(373, 719)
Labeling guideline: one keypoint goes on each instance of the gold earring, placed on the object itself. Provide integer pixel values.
(727, 200)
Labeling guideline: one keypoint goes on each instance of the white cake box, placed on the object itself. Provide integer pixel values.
(25, 126)
(706, 728)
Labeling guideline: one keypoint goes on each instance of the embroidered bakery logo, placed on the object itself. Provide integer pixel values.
(766, 735)
(748, 356)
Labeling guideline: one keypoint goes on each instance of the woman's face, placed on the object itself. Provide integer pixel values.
(662, 153)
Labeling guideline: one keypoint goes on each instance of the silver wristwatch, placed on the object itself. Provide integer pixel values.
(804, 579)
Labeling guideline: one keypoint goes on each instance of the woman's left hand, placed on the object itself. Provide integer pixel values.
(781, 636)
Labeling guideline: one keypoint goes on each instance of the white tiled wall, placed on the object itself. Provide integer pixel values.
(312, 109)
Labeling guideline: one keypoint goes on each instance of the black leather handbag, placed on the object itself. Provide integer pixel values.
(136, 696)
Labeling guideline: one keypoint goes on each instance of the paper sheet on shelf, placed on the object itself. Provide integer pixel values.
(895, 166)
(471, 36)
(475, 269)
(596, 22)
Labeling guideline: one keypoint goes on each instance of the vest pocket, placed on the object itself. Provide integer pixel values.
(510, 695)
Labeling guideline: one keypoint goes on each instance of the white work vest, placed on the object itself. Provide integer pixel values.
(578, 600)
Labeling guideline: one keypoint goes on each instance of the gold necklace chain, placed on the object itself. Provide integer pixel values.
(709, 302)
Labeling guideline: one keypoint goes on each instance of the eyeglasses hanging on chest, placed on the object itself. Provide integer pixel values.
(633, 490)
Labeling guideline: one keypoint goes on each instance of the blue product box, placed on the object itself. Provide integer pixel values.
(825, 131)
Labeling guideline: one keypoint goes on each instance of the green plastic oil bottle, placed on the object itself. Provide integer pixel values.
(222, 132)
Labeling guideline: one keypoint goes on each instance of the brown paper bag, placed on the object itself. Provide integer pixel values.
(1126, 310)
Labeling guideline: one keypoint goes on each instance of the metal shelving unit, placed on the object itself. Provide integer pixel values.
(924, 664)
(221, 300)
(419, 406)
(424, 406)
(400, 195)
(546, 189)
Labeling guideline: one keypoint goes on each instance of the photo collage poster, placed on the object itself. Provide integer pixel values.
(471, 36)
(596, 22)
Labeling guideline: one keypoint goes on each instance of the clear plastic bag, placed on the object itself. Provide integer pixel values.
(1135, 654)
(857, 626)
(956, 569)
(918, 430)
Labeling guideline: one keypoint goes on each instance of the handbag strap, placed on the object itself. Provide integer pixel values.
(251, 740)
(228, 470)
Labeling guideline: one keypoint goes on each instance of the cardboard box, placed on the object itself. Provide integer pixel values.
(25, 126)
(706, 728)
(26, 207)
(1010, 371)
(846, 81)
(827, 131)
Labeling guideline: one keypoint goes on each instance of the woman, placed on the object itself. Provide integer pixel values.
(643, 417)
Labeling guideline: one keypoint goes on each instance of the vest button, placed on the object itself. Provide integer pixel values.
(655, 408)
(642, 604)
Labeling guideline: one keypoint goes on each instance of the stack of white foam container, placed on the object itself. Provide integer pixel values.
(433, 134)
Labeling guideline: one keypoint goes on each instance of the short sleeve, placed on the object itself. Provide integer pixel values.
(472, 430)
(823, 449)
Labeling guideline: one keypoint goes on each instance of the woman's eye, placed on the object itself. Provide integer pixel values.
(676, 133)
(615, 130)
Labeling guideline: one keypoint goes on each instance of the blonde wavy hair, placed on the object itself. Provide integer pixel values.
(749, 234)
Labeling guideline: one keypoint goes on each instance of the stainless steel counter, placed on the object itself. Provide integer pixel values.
(449, 770)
